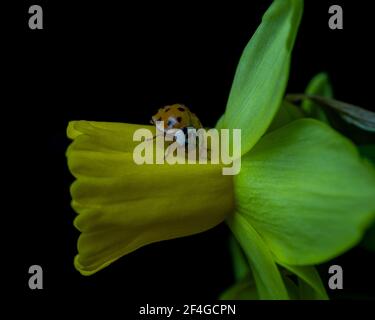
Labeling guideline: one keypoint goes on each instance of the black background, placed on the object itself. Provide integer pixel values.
(107, 61)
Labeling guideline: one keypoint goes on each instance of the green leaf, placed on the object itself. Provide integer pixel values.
(307, 192)
(244, 289)
(368, 151)
(220, 123)
(266, 274)
(357, 116)
(292, 287)
(240, 266)
(320, 86)
(287, 113)
(310, 285)
(262, 73)
(369, 238)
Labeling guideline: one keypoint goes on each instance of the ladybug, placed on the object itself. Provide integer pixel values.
(178, 119)
(176, 116)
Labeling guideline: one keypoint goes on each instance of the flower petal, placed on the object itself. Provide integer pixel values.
(262, 73)
(220, 123)
(240, 265)
(104, 136)
(266, 274)
(122, 206)
(368, 151)
(287, 113)
(307, 192)
(310, 285)
(244, 289)
(369, 238)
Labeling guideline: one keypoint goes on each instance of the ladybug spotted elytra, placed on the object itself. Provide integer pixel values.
(176, 116)
(177, 120)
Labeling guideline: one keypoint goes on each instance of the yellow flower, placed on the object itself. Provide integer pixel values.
(303, 194)
(123, 206)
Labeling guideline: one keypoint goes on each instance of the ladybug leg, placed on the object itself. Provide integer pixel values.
(181, 140)
(153, 138)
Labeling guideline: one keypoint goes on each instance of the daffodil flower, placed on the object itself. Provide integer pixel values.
(302, 197)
